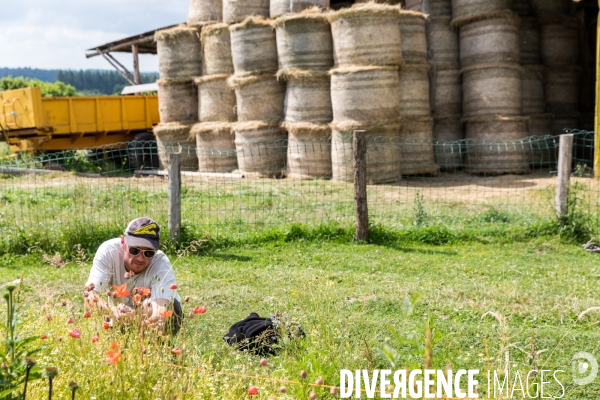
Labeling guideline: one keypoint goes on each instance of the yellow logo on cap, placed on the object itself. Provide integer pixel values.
(146, 230)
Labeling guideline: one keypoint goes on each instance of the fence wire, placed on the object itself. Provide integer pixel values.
(90, 194)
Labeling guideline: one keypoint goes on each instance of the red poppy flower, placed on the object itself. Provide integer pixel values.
(166, 314)
(114, 345)
(176, 350)
(43, 337)
(106, 325)
(121, 291)
(252, 390)
(75, 333)
(173, 286)
(70, 320)
(144, 291)
(113, 357)
(199, 310)
(87, 314)
(137, 299)
(95, 339)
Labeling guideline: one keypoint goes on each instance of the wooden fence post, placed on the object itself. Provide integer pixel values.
(360, 185)
(175, 197)
(565, 156)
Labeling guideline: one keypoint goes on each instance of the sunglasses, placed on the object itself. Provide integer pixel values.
(134, 251)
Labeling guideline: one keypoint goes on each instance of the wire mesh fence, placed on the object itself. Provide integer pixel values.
(90, 194)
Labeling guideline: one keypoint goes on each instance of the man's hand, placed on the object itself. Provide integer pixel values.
(122, 312)
(156, 311)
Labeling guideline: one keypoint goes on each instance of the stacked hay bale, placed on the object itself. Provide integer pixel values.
(259, 141)
(180, 62)
(417, 156)
(446, 92)
(305, 51)
(216, 101)
(365, 89)
(202, 12)
(492, 86)
(283, 7)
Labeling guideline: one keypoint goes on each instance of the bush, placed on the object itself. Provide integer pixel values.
(56, 89)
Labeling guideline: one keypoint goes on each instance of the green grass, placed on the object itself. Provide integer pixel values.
(347, 297)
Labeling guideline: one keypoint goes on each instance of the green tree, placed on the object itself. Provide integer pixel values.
(56, 89)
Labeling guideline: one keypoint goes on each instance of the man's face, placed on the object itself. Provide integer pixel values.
(135, 264)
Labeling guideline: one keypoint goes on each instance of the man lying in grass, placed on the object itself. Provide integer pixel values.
(135, 273)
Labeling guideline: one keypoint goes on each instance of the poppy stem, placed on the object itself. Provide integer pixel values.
(49, 388)
(25, 386)
(73, 395)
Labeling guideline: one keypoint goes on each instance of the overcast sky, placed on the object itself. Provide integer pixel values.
(54, 34)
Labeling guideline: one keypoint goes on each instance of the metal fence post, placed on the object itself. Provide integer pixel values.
(565, 157)
(175, 197)
(360, 185)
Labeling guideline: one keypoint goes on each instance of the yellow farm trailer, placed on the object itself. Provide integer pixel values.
(31, 122)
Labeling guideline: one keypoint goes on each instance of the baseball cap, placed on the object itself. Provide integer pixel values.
(143, 232)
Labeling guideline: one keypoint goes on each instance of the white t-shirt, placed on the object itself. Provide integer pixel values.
(108, 269)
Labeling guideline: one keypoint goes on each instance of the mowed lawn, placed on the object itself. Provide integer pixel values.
(347, 297)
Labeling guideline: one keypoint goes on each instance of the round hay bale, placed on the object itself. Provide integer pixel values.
(282, 7)
(440, 8)
(383, 152)
(216, 48)
(496, 145)
(179, 52)
(258, 98)
(565, 121)
(545, 8)
(491, 89)
(448, 135)
(308, 97)
(216, 100)
(529, 37)
(522, 7)
(261, 149)
(237, 10)
(416, 148)
(414, 91)
(304, 41)
(562, 89)
(559, 41)
(215, 146)
(366, 34)
(204, 11)
(308, 151)
(443, 42)
(174, 137)
(543, 153)
(494, 39)
(533, 98)
(365, 94)
(177, 100)
(253, 47)
(447, 91)
(414, 38)
(413, 5)
(463, 10)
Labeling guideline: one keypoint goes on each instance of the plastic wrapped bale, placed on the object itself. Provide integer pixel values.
(534, 100)
(179, 53)
(559, 41)
(543, 151)
(490, 38)
(467, 9)
(177, 100)
(522, 7)
(443, 42)
(237, 10)
(216, 50)
(416, 147)
(307, 96)
(258, 98)
(366, 34)
(308, 150)
(216, 100)
(215, 147)
(365, 94)
(414, 37)
(496, 145)
(304, 41)
(447, 91)
(282, 7)
(492, 89)
(561, 85)
(550, 8)
(261, 149)
(202, 12)
(414, 90)
(529, 37)
(448, 135)
(253, 47)
(383, 151)
(174, 137)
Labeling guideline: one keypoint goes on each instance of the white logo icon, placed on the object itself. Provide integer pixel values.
(585, 368)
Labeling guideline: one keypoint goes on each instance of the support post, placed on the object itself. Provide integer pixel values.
(136, 64)
(565, 156)
(359, 145)
(175, 197)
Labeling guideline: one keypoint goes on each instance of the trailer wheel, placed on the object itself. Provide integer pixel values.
(142, 152)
